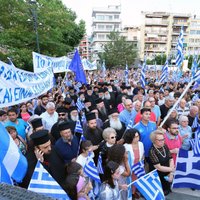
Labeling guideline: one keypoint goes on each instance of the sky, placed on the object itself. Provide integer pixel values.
(131, 9)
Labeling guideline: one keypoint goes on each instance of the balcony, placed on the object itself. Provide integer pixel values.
(158, 32)
(155, 40)
(95, 20)
(180, 24)
(156, 23)
(155, 50)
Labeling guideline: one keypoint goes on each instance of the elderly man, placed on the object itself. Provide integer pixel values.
(73, 114)
(182, 109)
(50, 116)
(128, 113)
(115, 123)
(192, 114)
(67, 146)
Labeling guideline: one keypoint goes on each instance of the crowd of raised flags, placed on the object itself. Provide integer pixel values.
(187, 167)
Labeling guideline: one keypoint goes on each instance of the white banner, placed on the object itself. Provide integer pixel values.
(41, 62)
(17, 86)
(87, 65)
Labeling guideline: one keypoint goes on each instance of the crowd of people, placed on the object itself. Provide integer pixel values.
(120, 122)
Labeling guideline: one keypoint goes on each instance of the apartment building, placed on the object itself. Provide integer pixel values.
(84, 48)
(160, 31)
(104, 21)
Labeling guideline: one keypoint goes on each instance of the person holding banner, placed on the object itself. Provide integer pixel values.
(161, 159)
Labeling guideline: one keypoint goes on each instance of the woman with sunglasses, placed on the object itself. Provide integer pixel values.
(161, 159)
(110, 189)
(135, 150)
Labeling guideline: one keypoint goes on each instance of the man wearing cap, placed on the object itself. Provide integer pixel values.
(103, 114)
(42, 107)
(67, 146)
(47, 155)
(92, 132)
(115, 123)
(62, 117)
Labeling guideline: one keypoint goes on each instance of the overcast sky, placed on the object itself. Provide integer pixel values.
(131, 9)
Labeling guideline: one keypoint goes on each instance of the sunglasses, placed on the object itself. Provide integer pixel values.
(61, 114)
(113, 137)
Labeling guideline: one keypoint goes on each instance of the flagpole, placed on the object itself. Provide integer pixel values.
(174, 106)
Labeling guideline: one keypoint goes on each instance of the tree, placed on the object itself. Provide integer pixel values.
(158, 60)
(58, 35)
(118, 51)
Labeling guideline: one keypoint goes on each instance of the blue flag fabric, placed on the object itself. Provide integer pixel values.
(78, 127)
(77, 67)
(99, 165)
(164, 74)
(12, 163)
(138, 169)
(80, 105)
(195, 143)
(42, 182)
(90, 169)
(126, 74)
(142, 76)
(187, 174)
(150, 186)
(194, 66)
(179, 55)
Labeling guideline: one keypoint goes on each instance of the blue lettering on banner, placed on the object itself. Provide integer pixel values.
(2, 70)
(8, 96)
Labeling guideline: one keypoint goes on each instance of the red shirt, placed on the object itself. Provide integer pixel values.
(173, 143)
(138, 117)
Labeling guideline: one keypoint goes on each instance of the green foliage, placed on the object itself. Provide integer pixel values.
(58, 33)
(118, 51)
(159, 60)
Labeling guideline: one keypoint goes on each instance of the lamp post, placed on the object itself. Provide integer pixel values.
(33, 11)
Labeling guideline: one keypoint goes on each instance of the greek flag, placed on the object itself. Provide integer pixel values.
(42, 182)
(150, 186)
(130, 124)
(164, 74)
(195, 143)
(90, 169)
(197, 77)
(126, 74)
(78, 127)
(13, 165)
(195, 123)
(80, 105)
(194, 66)
(179, 55)
(195, 97)
(99, 164)
(103, 69)
(138, 169)
(142, 76)
(187, 174)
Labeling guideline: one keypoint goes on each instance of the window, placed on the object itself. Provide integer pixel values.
(100, 27)
(108, 27)
(100, 17)
(116, 16)
(101, 36)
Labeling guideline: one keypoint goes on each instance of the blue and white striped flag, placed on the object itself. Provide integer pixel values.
(194, 66)
(164, 75)
(80, 105)
(195, 97)
(142, 76)
(78, 127)
(195, 143)
(99, 165)
(195, 123)
(150, 186)
(12, 163)
(187, 174)
(103, 69)
(90, 169)
(130, 124)
(196, 78)
(179, 55)
(126, 75)
(43, 183)
(138, 169)
(83, 118)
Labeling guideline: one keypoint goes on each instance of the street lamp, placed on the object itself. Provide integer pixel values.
(33, 10)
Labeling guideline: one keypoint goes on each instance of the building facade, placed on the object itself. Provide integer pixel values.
(85, 48)
(104, 21)
(160, 32)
